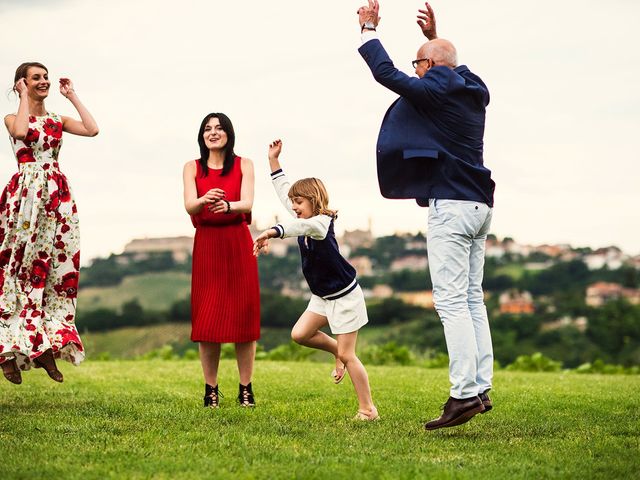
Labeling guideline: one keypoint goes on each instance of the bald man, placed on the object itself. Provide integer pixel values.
(430, 148)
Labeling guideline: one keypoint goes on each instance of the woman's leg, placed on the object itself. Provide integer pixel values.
(245, 355)
(357, 372)
(210, 359)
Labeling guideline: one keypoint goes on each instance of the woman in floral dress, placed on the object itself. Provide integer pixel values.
(40, 243)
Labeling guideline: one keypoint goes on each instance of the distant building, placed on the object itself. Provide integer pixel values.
(552, 250)
(358, 238)
(610, 257)
(494, 250)
(517, 303)
(382, 291)
(602, 292)
(363, 265)
(580, 323)
(141, 248)
(410, 262)
(417, 243)
(421, 299)
(510, 246)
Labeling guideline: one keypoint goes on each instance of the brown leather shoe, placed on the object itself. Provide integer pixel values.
(46, 361)
(486, 401)
(11, 371)
(456, 412)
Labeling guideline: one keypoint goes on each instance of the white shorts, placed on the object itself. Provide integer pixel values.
(345, 314)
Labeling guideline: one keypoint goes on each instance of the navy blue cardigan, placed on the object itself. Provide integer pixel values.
(431, 139)
(327, 272)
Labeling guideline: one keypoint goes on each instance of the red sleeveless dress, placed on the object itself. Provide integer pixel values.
(225, 294)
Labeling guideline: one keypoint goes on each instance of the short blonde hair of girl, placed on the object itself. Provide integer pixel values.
(313, 190)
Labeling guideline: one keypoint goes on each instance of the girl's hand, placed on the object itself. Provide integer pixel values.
(220, 206)
(21, 86)
(212, 196)
(274, 149)
(261, 243)
(66, 87)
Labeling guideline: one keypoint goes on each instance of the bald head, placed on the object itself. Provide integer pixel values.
(440, 51)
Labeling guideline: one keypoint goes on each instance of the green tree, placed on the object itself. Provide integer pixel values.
(393, 310)
(615, 328)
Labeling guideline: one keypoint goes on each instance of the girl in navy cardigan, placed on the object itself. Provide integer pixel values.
(336, 299)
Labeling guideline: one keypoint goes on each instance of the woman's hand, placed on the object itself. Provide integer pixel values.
(275, 148)
(66, 87)
(21, 86)
(220, 206)
(261, 243)
(212, 196)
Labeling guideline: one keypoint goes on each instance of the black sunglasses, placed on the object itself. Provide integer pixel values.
(417, 61)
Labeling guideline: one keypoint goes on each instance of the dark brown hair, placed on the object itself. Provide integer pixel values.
(21, 71)
(229, 154)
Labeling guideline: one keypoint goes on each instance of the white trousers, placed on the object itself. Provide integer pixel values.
(456, 244)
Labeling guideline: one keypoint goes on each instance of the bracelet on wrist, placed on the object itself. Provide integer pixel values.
(228, 210)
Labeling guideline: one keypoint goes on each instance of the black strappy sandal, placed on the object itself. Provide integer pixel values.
(212, 396)
(245, 396)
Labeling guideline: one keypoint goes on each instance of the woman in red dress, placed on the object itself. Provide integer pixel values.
(225, 294)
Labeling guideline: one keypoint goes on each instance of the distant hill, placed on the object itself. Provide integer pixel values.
(155, 291)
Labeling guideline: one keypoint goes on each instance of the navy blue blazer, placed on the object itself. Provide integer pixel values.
(431, 139)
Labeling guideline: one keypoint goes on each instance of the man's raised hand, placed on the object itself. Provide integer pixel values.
(427, 22)
(369, 13)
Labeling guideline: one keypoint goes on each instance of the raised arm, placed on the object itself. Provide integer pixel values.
(315, 227)
(18, 124)
(280, 182)
(426, 91)
(86, 126)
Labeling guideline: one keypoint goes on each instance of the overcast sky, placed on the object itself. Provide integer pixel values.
(562, 127)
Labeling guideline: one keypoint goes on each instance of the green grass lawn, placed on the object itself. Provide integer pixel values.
(155, 291)
(131, 342)
(144, 419)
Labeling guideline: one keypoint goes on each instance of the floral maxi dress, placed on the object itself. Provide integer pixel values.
(39, 252)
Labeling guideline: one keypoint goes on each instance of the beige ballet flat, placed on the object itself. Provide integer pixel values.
(338, 374)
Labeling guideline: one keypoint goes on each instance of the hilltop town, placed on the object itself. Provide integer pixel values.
(404, 252)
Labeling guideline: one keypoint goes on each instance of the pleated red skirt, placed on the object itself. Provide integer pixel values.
(225, 293)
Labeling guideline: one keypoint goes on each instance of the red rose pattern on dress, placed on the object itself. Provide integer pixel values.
(39, 252)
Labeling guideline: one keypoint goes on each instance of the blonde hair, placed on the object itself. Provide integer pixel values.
(313, 190)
